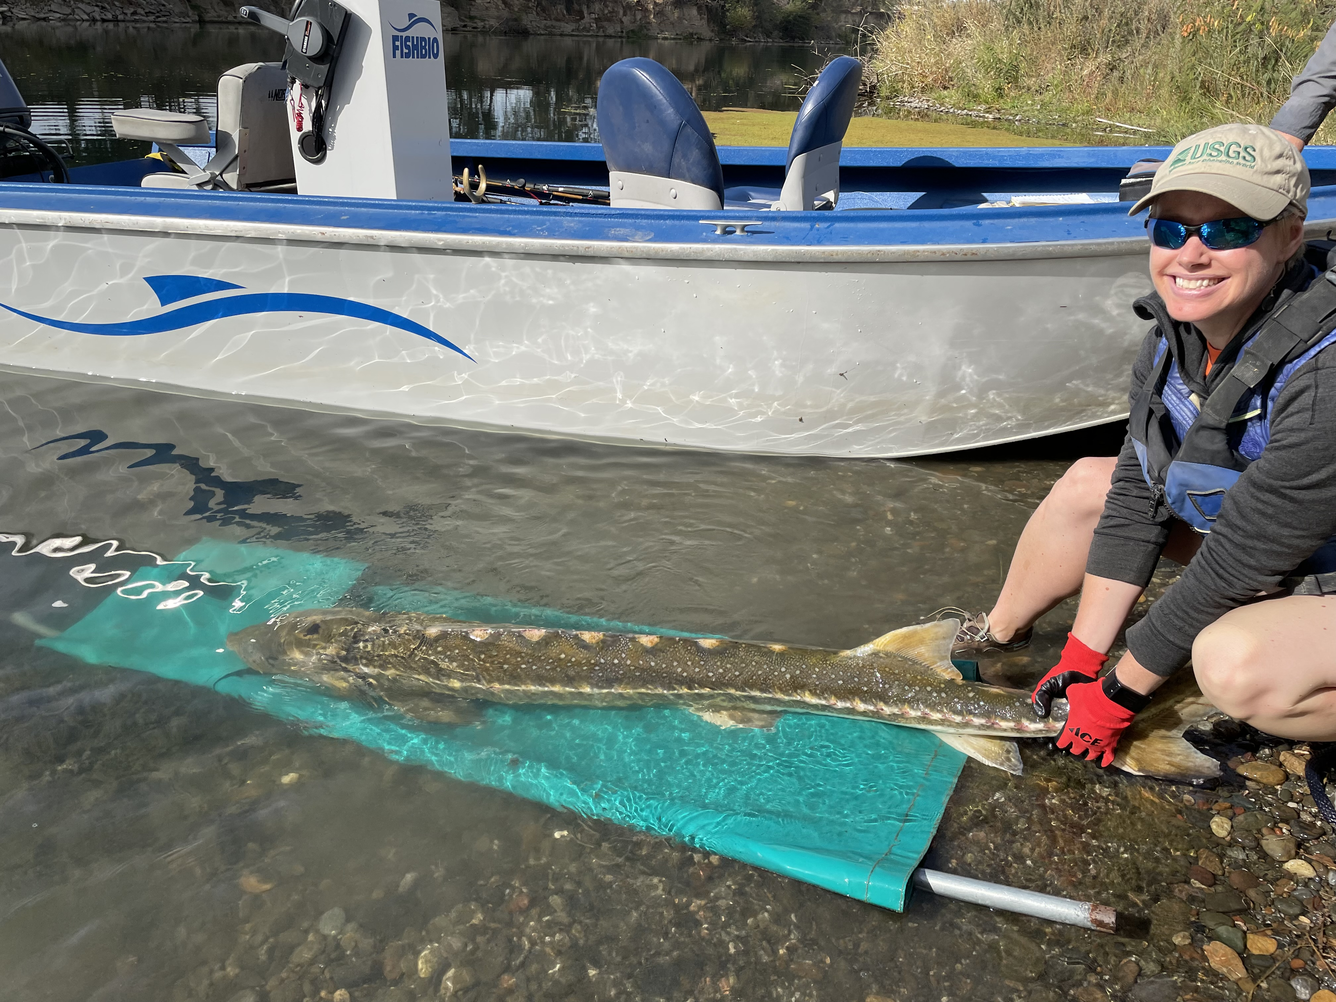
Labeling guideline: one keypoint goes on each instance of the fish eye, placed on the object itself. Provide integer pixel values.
(311, 631)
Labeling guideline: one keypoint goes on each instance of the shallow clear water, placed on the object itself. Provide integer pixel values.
(501, 87)
(144, 821)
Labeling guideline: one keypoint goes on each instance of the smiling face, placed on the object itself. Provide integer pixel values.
(1218, 290)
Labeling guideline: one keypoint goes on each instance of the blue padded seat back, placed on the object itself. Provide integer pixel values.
(824, 117)
(650, 125)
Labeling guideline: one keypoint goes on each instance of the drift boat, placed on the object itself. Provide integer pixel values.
(330, 247)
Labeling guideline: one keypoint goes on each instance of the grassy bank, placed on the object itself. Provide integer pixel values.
(1173, 66)
(753, 127)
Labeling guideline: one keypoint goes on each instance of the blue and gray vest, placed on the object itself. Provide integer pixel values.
(1193, 450)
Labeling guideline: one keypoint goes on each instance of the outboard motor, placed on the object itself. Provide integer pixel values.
(13, 109)
(22, 153)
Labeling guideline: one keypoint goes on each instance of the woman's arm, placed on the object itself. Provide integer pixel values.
(1312, 95)
(1105, 605)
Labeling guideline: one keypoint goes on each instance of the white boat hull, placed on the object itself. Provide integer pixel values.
(873, 351)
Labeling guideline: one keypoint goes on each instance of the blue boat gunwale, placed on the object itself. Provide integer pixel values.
(24, 203)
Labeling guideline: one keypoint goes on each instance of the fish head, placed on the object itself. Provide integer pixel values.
(306, 644)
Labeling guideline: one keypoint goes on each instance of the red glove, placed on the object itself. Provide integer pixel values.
(1094, 723)
(1077, 664)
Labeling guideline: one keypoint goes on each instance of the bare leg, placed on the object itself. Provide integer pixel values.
(1273, 665)
(1050, 559)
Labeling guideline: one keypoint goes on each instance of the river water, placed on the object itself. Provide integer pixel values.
(162, 841)
(73, 78)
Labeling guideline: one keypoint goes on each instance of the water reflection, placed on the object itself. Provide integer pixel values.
(219, 500)
(73, 78)
(501, 87)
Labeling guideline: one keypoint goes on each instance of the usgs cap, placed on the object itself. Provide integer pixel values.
(1249, 166)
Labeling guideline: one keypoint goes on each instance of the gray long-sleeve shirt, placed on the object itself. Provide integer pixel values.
(1275, 516)
(1312, 94)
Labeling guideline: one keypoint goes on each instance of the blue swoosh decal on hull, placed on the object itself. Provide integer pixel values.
(174, 288)
(251, 302)
(413, 21)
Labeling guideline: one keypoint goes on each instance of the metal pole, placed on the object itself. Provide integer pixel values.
(1085, 914)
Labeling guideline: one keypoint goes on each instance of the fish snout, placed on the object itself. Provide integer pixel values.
(256, 646)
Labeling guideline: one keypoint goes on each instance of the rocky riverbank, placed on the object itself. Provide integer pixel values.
(719, 20)
(1256, 903)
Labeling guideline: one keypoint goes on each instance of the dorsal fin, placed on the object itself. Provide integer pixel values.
(928, 645)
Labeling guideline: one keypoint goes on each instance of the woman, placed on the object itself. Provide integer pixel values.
(1229, 468)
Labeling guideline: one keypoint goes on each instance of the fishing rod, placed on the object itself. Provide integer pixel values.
(544, 194)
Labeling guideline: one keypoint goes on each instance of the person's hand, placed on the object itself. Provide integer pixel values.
(1094, 723)
(1294, 141)
(1078, 663)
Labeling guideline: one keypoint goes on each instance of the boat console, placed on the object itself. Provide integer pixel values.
(366, 98)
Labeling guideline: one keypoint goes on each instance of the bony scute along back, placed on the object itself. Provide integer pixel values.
(438, 669)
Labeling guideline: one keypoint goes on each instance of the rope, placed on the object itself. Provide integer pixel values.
(1318, 764)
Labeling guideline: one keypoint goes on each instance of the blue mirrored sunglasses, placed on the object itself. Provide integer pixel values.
(1218, 234)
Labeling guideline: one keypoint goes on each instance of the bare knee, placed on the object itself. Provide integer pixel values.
(1080, 492)
(1229, 665)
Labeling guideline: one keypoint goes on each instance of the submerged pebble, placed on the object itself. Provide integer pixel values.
(1261, 944)
(1223, 959)
(1231, 936)
(1304, 987)
(1262, 772)
(1300, 868)
(456, 980)
(331, 922)
(1279, 847)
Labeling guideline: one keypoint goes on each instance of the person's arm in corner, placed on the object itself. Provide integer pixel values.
(1312, 95)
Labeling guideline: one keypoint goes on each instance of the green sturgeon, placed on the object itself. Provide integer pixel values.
(436, 669)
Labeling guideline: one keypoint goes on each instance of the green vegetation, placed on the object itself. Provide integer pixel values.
(1174, 66)
(793, 20)
(753, 127)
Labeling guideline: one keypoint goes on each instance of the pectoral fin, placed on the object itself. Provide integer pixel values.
(757, 719)
(1000, 753)
(927, 646)
(436, 709)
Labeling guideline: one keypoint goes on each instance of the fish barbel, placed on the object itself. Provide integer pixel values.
(430, 667)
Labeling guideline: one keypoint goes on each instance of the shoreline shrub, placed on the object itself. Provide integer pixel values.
(1172, 65)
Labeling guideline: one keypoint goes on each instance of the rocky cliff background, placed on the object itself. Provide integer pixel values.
(715, 20)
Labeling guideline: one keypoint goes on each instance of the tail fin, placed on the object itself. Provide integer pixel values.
(1154, 744)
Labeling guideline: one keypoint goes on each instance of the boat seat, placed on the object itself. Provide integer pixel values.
(252, 146)
(812, 171)
(659, 150)
(168, 129)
